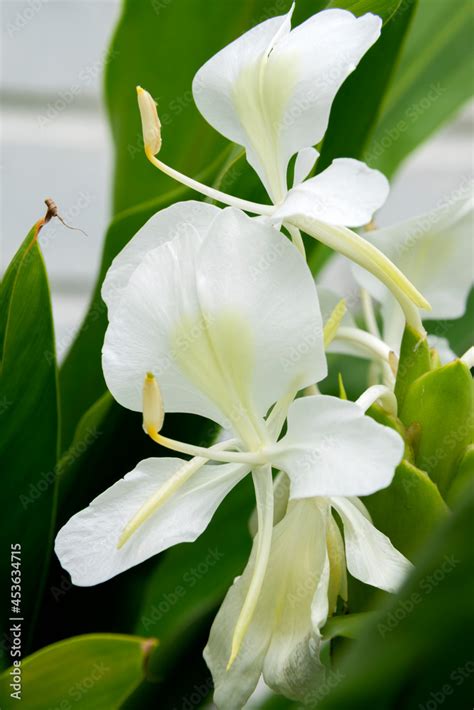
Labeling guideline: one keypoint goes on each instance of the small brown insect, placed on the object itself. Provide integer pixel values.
(54, 212)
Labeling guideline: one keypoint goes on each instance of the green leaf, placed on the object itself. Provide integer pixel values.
(408, 510)
(414, 361)
(417, 652)
(440, 403)
(433, 80)
(463, 477)
(348, 625)
(93, 672)
(383, 8)
(29, 422)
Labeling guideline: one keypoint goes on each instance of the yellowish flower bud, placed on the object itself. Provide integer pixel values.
(151, 125)
(153, 412)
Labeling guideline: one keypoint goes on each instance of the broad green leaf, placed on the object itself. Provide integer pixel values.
(414, 361)
(29, 424)
(417, 652)
(440, 404)
(408, 510)
(91, 672)
(433, 80)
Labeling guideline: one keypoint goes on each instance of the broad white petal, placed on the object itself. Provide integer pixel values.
(87, 544)
(435, 252)
(371, 557)
(304, 163)
(346, 194)
(332, 448)
(239, 98)
(271, 90)
(226, 322)
(157, 325)
(254, 276)
(181, 218)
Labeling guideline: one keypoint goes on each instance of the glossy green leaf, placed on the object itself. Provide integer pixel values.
(440, 403)
(29, 423)
(409, 509)
(463, 477)
(433, 80)
(417, 652)
(414, 361)
(91, 672)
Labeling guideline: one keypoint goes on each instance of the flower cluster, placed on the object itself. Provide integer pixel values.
(214, 312)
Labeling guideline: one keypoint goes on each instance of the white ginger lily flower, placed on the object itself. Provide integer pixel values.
(435, 251)
(271, 91)
(306, 573)
(224, 314)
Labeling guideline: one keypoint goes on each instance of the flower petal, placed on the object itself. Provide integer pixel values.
(250, 269)
(435, 252)
(87, 544)
(331, 448)
(304, 163)
(181, 218)
(347, 194)
(203, 315)
(299, 579)
(371, 557)
(280, 639)
(271, 90)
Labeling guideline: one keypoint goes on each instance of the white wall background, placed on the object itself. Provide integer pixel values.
(54, 143)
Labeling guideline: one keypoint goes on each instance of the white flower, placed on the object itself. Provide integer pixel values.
(306, 573)
(224, 315)
(271, 91)
(435, 251)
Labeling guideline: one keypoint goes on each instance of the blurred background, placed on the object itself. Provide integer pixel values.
(55, 143)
